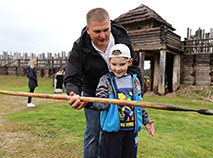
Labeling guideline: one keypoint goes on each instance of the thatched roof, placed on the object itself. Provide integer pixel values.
(141, 14)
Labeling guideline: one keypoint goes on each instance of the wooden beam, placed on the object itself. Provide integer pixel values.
(141, 65)
(161, 73)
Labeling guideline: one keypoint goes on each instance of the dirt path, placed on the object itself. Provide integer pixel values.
(17, 141)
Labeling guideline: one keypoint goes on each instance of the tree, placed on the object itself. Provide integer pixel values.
(146, 73)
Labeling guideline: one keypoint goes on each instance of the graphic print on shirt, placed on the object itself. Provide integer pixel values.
(126, 113)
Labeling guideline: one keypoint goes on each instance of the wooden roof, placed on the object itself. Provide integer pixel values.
(141, 14)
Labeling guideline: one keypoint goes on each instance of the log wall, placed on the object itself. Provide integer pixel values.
(155, 39)
(16, 63)
(146, 39)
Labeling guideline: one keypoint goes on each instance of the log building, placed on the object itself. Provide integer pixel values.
(153, 39)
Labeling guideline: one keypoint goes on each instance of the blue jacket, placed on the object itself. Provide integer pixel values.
(31, 74)
(109, 117)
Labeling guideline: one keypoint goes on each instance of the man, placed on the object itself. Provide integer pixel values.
(88, 61)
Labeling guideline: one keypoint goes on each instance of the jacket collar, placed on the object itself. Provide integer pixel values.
(85, 44)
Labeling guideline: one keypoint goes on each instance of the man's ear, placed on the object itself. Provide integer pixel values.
(87, 29)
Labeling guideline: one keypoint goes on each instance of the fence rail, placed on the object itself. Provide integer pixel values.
(16, 63)
(201, 42)
(197, 60)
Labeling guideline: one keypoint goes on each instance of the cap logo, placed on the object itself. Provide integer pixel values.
(116, 52)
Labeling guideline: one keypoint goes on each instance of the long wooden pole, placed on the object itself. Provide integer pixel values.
(109, 101)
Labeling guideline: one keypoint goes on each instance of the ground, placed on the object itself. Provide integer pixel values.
(15, 139)
(18, 141)
(204, 92)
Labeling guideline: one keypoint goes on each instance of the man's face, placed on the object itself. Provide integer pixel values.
(99, 33)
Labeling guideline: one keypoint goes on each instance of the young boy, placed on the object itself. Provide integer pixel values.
(120, 124)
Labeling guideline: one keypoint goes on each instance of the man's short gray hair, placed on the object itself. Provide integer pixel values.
(97, 14)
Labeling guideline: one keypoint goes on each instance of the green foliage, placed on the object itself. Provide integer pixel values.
(146, 73)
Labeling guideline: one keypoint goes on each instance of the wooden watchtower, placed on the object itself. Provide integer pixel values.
(153, 39)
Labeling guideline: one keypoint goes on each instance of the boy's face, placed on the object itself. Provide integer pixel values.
(119, 66)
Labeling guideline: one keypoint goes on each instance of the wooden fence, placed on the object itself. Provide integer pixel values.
(16, 63)
(197, 60)
(200, 43)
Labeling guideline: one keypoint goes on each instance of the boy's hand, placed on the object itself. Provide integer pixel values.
(150, 127)
(75, 102)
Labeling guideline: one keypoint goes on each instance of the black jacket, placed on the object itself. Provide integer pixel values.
(85, 66)
(31, 74)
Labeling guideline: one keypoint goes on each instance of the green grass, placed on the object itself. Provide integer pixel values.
(178, 134)
(20, 83)
(52, 119)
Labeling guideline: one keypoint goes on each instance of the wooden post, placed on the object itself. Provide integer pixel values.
(161, 72)
(141, 65)
(176, 73)
(60, 58)
(18, 68)
(52, 63)
(211, 70)
(151, 74)
(156, 69)
(194, 69)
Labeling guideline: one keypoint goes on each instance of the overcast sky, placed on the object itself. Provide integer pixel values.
(53, 25)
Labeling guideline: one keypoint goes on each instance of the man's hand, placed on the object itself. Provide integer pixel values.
(75, 102)
(150, 127)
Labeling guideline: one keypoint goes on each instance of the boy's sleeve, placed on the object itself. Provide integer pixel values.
(101, 92)
(145, 116)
